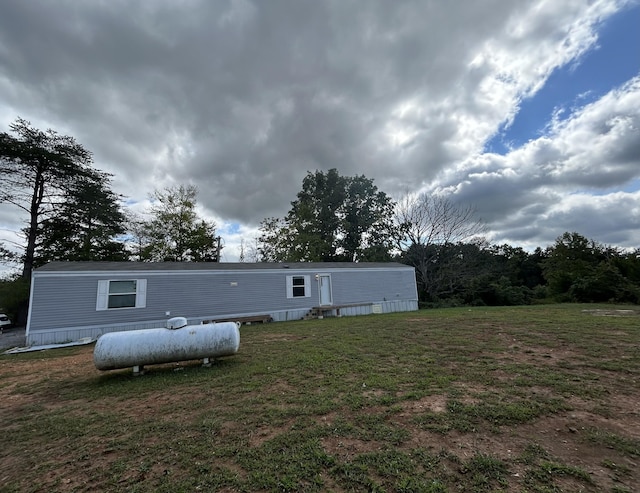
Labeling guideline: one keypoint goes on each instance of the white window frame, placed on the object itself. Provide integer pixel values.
(102, 299)
(307, 286)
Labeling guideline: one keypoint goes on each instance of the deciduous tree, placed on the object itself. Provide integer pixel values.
(579, 269)
(274, 244)
(334, 218)
(367, 229)
(313, 222)
(175, 233)
(426, 225)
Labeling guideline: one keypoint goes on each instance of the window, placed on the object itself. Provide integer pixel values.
(129, 293)
(122, 294)
(298, 286)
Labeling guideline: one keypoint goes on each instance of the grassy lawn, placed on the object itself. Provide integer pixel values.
(528, 399)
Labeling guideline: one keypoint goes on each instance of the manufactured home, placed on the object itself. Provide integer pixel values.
(70, 301)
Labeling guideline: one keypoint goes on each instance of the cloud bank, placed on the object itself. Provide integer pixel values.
(242, 98)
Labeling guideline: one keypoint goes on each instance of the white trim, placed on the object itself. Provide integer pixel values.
(131, 274)
(141, 293)
(102, 296)
(31, 290)
(289, 287)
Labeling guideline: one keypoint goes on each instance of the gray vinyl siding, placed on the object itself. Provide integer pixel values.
(372, 286)
(63, 304)
(181, 294)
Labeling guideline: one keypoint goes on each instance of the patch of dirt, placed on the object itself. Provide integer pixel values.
(268, 337)
(565, 436)
(432, 403)
(612, 313)
(346, 448)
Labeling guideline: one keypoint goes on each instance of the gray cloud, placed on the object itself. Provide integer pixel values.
(242, 98)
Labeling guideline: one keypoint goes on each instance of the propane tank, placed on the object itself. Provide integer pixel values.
(136, 348)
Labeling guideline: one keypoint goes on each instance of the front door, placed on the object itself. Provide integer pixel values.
(324, 288)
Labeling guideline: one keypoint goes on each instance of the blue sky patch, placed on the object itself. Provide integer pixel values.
(229, 228)
(614, 60)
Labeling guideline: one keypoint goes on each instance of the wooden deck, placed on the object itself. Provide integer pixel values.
(329, 310)
(266, 318)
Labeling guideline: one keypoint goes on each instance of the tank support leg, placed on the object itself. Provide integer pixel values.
(206, 362)
(138, 370)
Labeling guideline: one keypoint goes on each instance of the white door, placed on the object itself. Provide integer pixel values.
(324, 288)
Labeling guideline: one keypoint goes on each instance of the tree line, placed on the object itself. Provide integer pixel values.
(335, 219)
(71, 213)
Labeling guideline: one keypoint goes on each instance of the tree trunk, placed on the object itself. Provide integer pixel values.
(32, 233)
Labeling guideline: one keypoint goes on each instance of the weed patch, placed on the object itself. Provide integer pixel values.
(535, 398)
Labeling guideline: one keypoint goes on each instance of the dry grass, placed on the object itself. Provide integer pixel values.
(537, 399)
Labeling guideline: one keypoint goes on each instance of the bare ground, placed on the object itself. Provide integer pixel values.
(562, 435)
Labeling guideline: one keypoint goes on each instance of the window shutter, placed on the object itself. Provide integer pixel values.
(289, 286)
(307, 286)
(141, 293)
(103, 295)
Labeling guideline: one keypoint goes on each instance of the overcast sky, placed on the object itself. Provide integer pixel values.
(527, 110)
